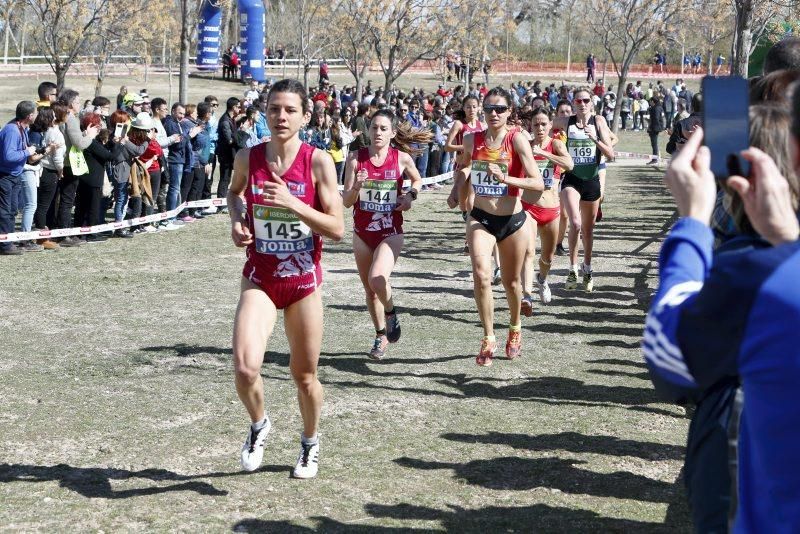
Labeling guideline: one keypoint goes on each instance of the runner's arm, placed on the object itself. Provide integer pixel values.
(240, 231)
(350, 193)
(533, 178)
(451, 137)
(560, 156)
(330, 221)
(408, 168)
(461, 181)
(602, 128)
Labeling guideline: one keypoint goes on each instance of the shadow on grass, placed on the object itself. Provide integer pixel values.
(534, 518)
(96, 482)
(511, 473)
(575, 442)
(609, 372)
(182, 350)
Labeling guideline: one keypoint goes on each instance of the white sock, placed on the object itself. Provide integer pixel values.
(587, 268)
(573, 268)
(313, 440)
(257, 426)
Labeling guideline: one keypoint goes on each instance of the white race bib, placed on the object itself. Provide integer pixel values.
(279, 231)
(546, 168)
(378, 196)
(484, 183)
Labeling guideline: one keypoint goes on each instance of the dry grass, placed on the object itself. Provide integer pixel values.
(118, 410)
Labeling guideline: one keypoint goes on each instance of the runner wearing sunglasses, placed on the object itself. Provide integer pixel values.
(588, 140)
(498, 164)
(543, 207)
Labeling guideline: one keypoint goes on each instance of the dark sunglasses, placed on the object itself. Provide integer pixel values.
(583, 100)
(215, 105)
(497, 108)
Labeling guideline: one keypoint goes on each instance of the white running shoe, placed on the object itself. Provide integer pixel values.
(544, 292)
(308, 461)
(253, 448)
(211, 210)
(172, 226)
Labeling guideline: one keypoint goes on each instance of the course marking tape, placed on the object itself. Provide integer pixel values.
(138, 221)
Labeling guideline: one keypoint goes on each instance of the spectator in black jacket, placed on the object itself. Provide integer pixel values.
(656, 125)
(686, 126)
(226, 145)
(177, 155)
(100, 152)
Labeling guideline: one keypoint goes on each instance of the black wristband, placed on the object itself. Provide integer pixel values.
(413, 192)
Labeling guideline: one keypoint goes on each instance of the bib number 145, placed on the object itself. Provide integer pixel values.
(279, 231)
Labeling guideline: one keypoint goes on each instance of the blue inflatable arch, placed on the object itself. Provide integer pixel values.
(251, 37)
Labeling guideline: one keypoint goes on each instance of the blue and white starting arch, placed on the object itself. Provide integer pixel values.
(252, 19)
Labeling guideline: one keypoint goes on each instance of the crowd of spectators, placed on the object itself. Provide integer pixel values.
(99, 159)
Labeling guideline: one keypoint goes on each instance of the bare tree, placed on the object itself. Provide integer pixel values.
(313, 36)
(406, 31)
(351, 24)
(629, 27)
(66, 25)
(753, 21)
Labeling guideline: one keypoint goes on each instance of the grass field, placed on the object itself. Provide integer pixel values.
(118, 412)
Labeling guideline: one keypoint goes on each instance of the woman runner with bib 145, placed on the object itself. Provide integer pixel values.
(588, 140)
(499, 164)
(292, 202)
(543, 207)
(373, 187)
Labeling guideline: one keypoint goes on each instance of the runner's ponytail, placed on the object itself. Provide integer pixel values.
(406, 136)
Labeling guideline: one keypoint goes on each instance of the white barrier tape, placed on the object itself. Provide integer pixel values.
(635, 155)
(138, 221)
(86, 230)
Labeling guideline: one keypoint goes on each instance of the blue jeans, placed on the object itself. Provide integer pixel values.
(9, 194)
(174, 193)
(421, 162)
(444, 163)
(27, 199)
(120, 200)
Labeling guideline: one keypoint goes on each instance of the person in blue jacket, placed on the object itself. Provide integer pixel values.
(737, 317)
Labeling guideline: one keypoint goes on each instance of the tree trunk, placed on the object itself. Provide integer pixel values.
(569, 44)
(23, 39)
(683, 55)
(7, 23)
(621, 80)
(306, 68)
(183, 80)
(742, 37)
(61, 75)
(101, 74)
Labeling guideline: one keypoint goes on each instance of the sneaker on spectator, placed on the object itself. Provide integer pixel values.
(435, 186)
(173, 225)
(149, 229)
(70, 241)
(187, 219)
(30, 246)
(12, 250)
(48, 244)
(224, 210)
(211, 210)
